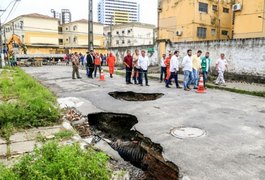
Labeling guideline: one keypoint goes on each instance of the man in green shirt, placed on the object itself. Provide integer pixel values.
(205, 65)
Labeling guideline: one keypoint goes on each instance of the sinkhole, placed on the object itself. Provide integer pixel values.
(133, 146)
(133, 96)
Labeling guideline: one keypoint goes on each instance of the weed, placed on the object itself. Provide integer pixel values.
(52, 161)
(64, 134)
(32, 104)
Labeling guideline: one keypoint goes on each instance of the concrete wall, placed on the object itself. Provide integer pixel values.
(121, 52)
(245, 56)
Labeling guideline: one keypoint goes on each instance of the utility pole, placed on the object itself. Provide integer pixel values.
(110, 41)
(90, 26)
(1, 42)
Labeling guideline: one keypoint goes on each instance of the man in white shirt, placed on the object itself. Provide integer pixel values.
(163, 68)
(221, 66)
(143, 64)
(187, 69)
(174, 68)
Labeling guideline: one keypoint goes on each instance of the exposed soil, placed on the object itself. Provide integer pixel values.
(132, 96)
(132, 145)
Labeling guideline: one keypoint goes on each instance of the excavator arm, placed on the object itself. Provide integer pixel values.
(15, 38)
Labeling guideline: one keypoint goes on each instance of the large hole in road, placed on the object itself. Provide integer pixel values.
(133, 96)
(132, 146)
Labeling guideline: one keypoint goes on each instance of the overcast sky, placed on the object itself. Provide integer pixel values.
(78, 8)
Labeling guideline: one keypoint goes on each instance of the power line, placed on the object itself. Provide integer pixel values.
(11, 10)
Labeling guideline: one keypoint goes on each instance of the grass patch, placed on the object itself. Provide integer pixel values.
(25, 102)
(52, 161)
(64, 134)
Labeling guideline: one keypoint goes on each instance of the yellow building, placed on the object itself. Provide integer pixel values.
(194, 20)
(38, 32)
(249, 18)
(43, 34)
(75, 36)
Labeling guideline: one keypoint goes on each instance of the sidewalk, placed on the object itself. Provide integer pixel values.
(238, 87)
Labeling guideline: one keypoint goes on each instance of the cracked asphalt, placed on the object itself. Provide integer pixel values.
(234, 144)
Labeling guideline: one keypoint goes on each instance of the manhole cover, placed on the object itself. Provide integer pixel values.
(187, 132)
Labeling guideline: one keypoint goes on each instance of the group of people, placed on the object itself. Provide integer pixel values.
(92, 62)
(193, 66)
(136, 67)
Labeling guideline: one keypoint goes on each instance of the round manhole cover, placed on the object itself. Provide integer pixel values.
(187, 132)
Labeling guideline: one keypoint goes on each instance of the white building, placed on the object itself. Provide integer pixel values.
(129, 34)
(118, 11)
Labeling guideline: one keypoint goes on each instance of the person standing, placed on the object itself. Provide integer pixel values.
(111, 63)
(128, 62)
(143, 64)
(136, 67)
(91, 63)
(97, 64)
(205, 65)
(174, 68)
(167, 63)
(75, 62)
(85, 63)
(187, 69)
(196, 66)
(163, 68)
(221, 66)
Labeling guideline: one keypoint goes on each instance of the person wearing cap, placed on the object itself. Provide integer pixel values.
(111, 63)
(174, 68)
(97, 64)
(163, 68)
(143, 64)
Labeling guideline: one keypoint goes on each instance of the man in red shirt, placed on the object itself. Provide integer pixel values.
(128, 66)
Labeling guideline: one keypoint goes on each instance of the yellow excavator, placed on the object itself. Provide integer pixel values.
(15, 40)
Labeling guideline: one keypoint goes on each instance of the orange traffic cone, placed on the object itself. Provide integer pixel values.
(102, 76)
(201, 88)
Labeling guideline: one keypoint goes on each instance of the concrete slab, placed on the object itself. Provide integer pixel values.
(233, 147)
(3, 149)
(31, 134)
(22, 147)
(2, 141)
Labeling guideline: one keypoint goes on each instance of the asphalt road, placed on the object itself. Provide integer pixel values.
(234, 144)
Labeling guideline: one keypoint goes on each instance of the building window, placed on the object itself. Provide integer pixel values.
(123, 42)
(60, 30)
(215, 8)
(129, 42)
(201, 32)
(203, 7)
(226, 10)
(117, 42)
(75, 28)
(60, 41)
(224, 32)
(123, 32)
(213, 32)
(117, 32)
(75, 39)
(66, 29)
(21, 24)
(129, 31)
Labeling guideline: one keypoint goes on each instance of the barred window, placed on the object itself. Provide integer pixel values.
(201, 32)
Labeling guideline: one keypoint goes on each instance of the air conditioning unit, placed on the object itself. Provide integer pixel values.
(179, 33)
(236, 7)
